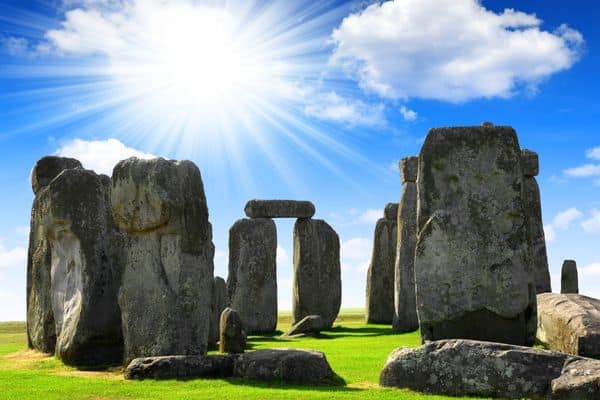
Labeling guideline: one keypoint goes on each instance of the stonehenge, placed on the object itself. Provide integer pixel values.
(569, 282)
(279, 209)
(380, 275)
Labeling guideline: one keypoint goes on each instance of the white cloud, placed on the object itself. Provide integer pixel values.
(549, 233)
(590, 270)
(356, 254)
(283, 259)
(593, 153)
(592, 224)
(14, 309)
(583, 171)
(563, 219)
(408, 114)
(333, 107)
(453, 50)
(13, 258)
(371, 216)
(15, 46)
(100, 155)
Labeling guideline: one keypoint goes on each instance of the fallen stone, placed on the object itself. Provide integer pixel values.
(180, 367)
(390, 212)
(285, 365)
(219, 302)
(232, 335)
(380, 275)
(473, 271)
(166, 290)
(569, 282)
(569, 323)
(252, 279)
(308, 326)
(486, 369)
(317, 287)
(405, 307)
(279, 209)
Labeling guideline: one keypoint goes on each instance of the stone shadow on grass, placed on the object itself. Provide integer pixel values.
(344, 331)
(337, 384)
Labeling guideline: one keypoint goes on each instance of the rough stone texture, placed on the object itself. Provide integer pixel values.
(391, 212)
(569, 282)
(85, 268)
(569, 323)
(473, 272)
(405, 307)
(284, 365)
(180, 367)
(535, 226)
(41, 334)
(252, 279)
(219, 302)
(380, 275)
(473, 368)
(279, 209)
(166, 294)
(317, 277)
(232, 335)
(309, 326)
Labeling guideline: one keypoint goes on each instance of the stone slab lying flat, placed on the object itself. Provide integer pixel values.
(279, 209)
(474, 368)
(307, 326)
(180, 367)
(569, 323)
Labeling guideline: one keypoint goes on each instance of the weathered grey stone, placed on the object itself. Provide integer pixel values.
(405, 308)
(569, 323)
(232, 335)
(317, 284)
(473, 368)
(380, 275)
(409, 169)
(41, 334)
(166, 294)
(181, 367)
(252, 279)
(85, 268)
(569, 282)
(391, 212)
(309, 326)
(219, 302)
(284, 365)
(279, 209)
(535, 226)
(473, 271)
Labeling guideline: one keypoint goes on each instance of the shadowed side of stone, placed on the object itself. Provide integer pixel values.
(48, 168)
(181, 367)
(232, 335)
(219, 302)
(279, 209)
(569, 281)
(380, 275)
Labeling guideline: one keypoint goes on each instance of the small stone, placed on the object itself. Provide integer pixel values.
(279, 209)
(48, 168)
(308, 326)
(579, 380)
(232, 335)
(530, 163)
(409, 168)
(487, 124)
(569, 282)
(391, 212)
(181, 367)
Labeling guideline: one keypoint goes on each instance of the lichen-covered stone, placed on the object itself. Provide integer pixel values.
(530, 163)
(252, 279)
(166, 290)
(279, 209)
(309, 326)
(405, 308)
(409, 169)
(579, 380)
(232, 335)
(317, 287)
(569, 282)
(473, 270)
(380, 275)
(569, 323)
(219, 302)
(390, 212)
(181, 367)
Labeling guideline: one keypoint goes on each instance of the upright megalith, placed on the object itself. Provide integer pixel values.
(252, 279)
(405, 308)
(279, 209)
(473, 271)
(380, 275)
(533, 214)
(569, 282)
(232, 337)
(317, 287)
(41, 333)
(218, 304)
(85, 268)
(166, 289)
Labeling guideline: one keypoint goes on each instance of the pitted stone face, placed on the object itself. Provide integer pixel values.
(409, 168)
(279, 209)
(530, 163)
(48, 168)
(391, 211)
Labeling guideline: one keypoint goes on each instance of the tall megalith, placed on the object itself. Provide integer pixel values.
(405, 308)
(218, 304)
(473, 272)
(569, 281)
(252, 279)
(166, 289)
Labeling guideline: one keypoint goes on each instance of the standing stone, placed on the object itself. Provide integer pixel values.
(166, 294)
(252, 279)
(473, 272)
(219, 302)
(380, 276)
(41, 334)
(317, 275)
(405, 308)
(85, 268)
(569, 282)
(232, 337)
(533, 214)
(279, 209)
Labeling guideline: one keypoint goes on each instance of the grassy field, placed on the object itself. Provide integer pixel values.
(355, 351)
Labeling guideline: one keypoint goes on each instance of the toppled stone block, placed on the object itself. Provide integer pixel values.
(569, 282)
(579, 380)
(380, 275)
(569, 323)
(181, 367)
(308, 326)
(232, 335)
(219, 302)
(279, 209)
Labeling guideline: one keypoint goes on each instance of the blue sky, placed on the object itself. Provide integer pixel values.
(291, 99)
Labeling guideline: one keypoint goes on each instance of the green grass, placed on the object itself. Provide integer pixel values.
(356, 352)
